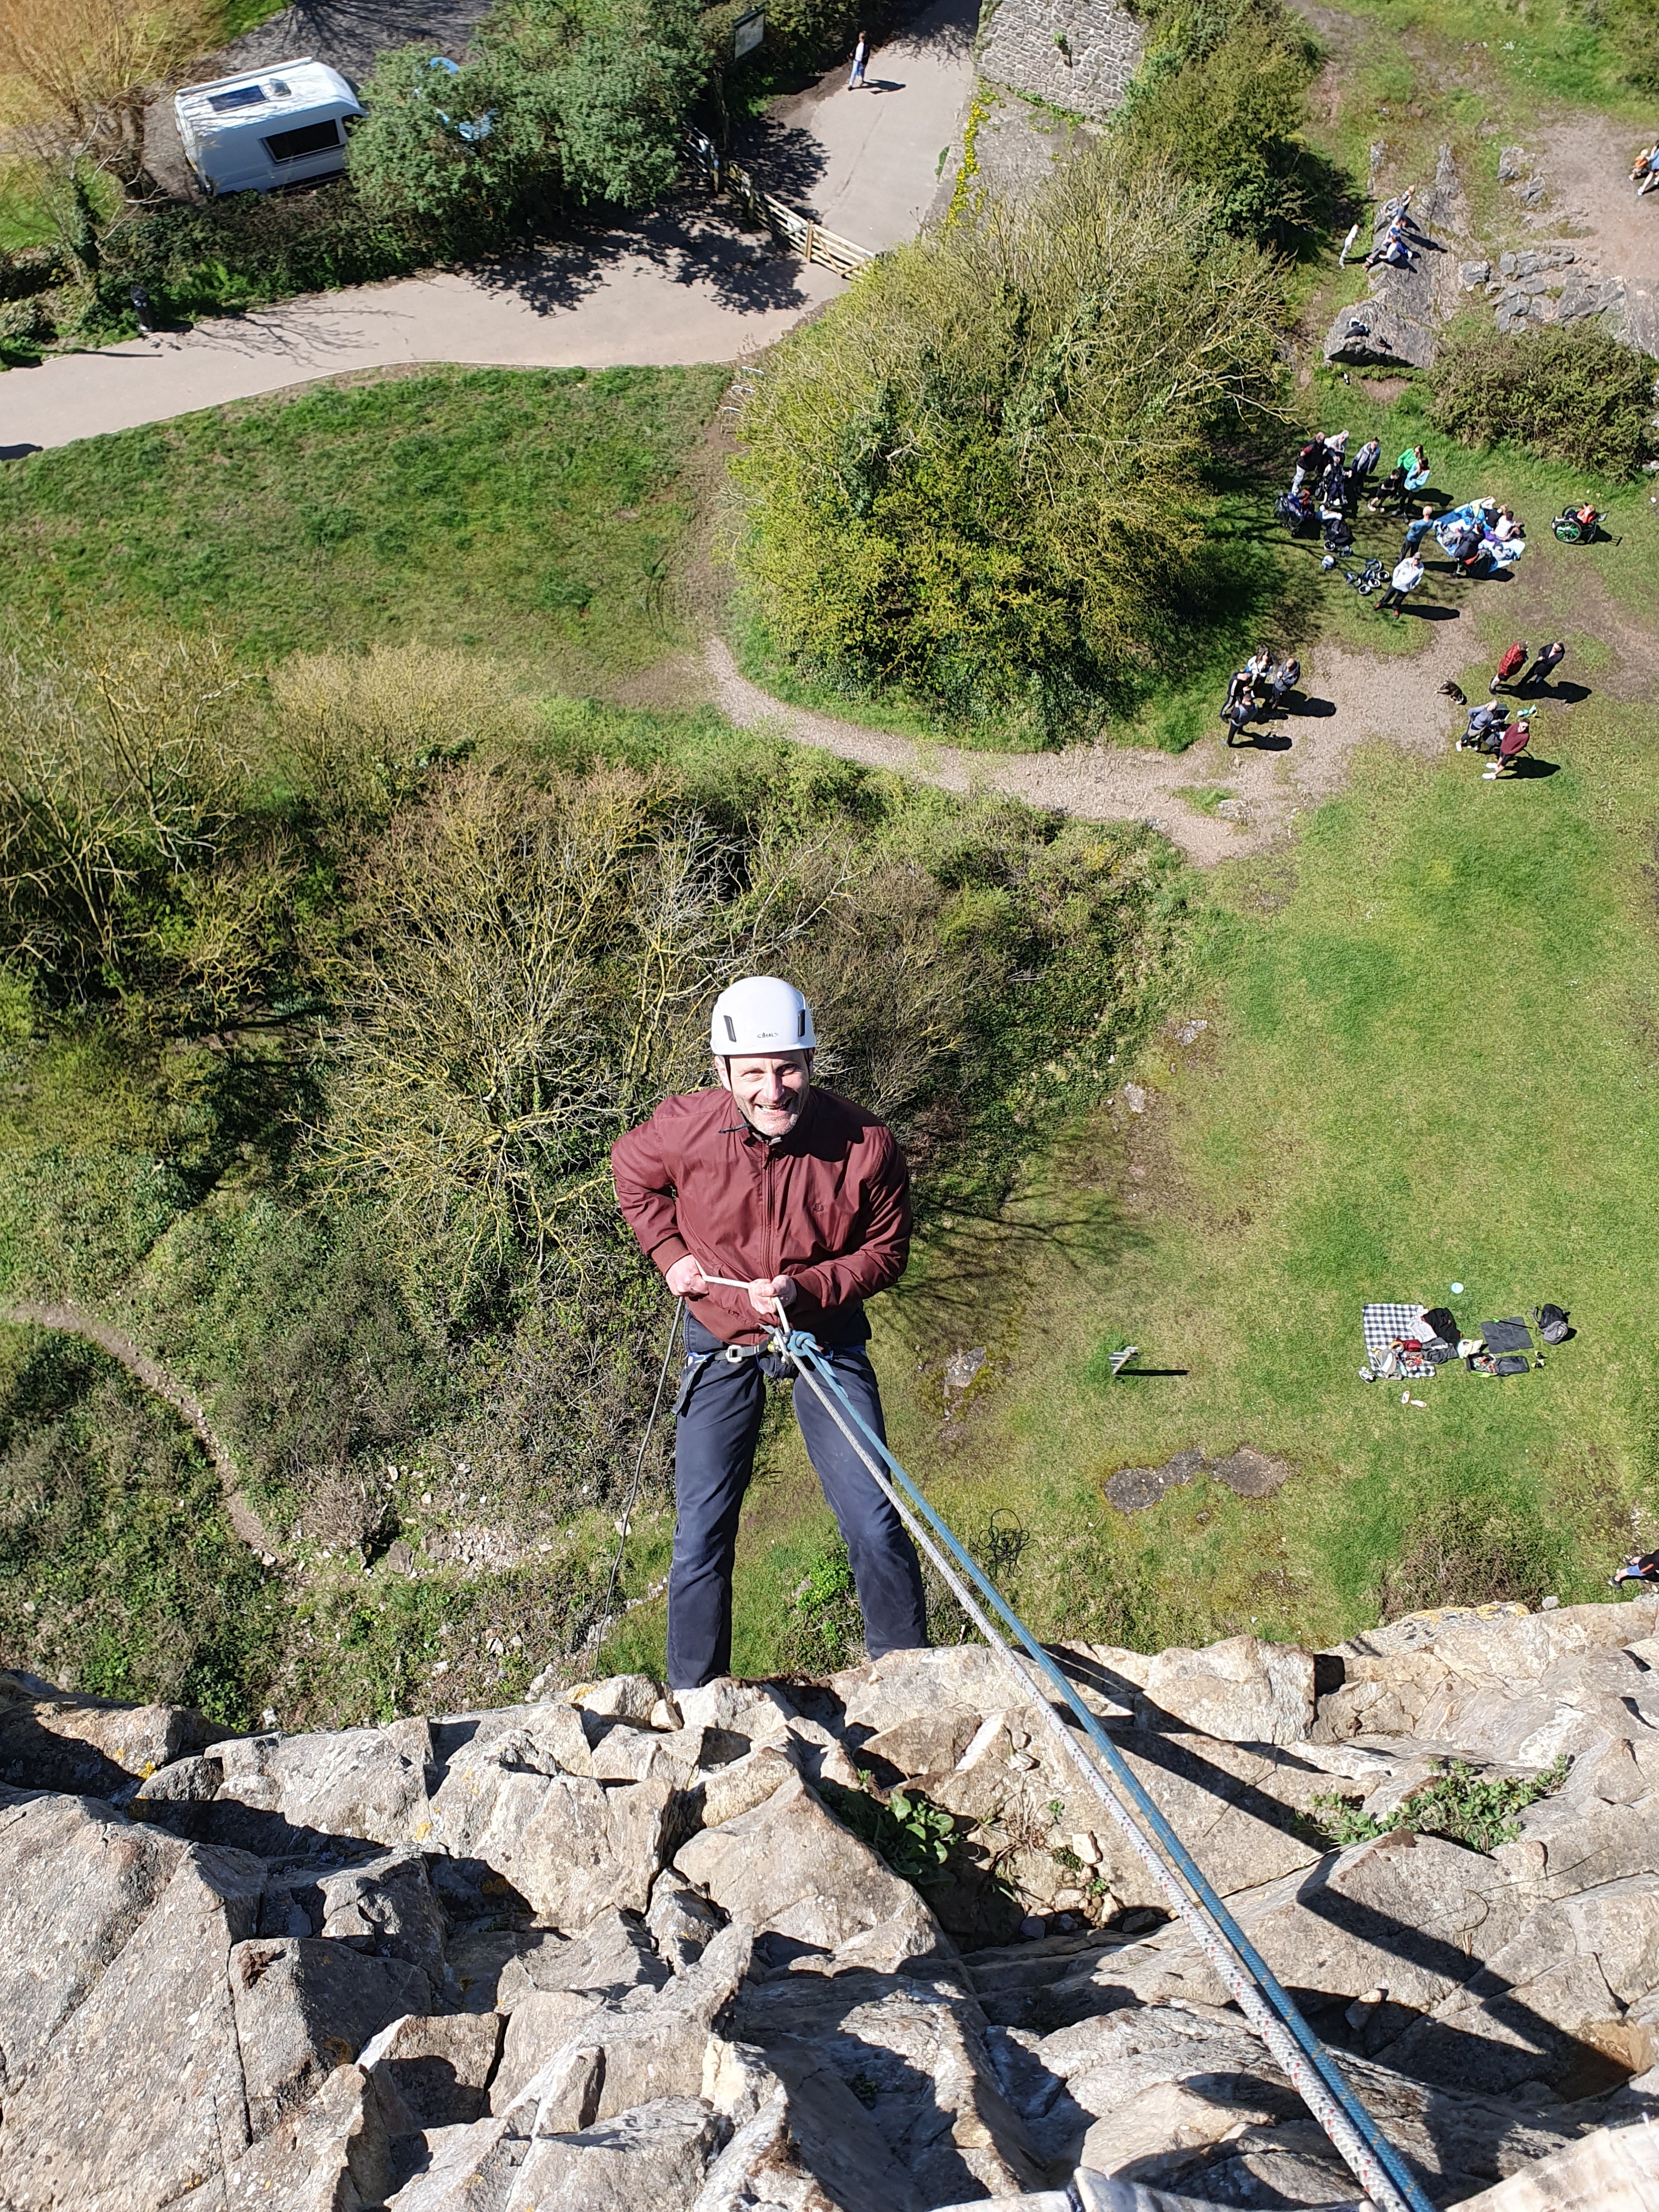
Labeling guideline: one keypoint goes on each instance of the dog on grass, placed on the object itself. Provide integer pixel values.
(1451, 691)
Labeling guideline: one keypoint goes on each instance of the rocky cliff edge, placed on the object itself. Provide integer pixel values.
(609, 1950)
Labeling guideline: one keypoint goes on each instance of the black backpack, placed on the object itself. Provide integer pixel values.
(1552, 1324)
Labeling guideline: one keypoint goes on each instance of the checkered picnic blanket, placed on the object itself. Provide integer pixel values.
(1383, 1324)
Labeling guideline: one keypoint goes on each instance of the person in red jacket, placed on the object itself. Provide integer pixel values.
(803, 1199)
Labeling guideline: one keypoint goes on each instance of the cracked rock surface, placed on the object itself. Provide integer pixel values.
(610, 1950)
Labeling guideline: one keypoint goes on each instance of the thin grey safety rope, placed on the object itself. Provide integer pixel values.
(626, 1522)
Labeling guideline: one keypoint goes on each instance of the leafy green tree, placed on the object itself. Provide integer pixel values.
(587, 98)
(1220, 99)
(422, 147)
(981, 474)
(621, 79)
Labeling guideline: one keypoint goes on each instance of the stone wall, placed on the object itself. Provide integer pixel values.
(1089, 74)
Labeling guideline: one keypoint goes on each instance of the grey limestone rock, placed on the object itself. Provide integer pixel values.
(303, 2006)
(681, 1921)
(571, 1846)
(1243, 1690)
(52, 1739)
(912, 2050)
(281, 1795)
(805, 1882)
(218, 2028)
(75, 1868)
(138, 2097)
(655, 2154)
(440, 2065)
(387, 1907)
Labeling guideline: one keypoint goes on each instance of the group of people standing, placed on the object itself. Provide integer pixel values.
(1260, 687)
(1327, 487)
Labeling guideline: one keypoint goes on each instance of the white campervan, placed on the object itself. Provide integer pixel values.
(281, 126)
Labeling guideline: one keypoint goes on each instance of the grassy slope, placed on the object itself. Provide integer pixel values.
(537, 512)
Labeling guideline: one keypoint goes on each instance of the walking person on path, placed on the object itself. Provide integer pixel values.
(804, 1200)
(1549, 658)
(1408, 576)
(860, 55)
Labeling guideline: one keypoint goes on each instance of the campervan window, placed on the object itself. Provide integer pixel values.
(295, 145)
(245, 96)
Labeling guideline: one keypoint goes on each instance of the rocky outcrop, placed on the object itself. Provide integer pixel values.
(609, 1950)
(1398, 325)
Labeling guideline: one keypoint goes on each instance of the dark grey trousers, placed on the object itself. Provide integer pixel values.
(722, 1402)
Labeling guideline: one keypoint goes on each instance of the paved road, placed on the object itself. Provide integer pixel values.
(678, 288)
(866, 163)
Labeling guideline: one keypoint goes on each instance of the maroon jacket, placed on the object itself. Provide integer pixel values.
(829, 1206)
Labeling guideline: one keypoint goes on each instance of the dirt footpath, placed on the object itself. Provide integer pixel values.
(1288, 766)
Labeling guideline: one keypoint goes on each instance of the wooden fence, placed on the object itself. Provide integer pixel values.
(809, 239)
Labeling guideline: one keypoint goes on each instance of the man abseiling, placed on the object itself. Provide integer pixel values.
(805, 1199)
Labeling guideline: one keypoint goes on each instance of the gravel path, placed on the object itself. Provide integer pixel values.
(1351, 699)
(75, 1321)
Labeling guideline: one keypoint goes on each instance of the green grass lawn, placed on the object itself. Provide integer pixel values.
(539, 513)
(1433, 1057)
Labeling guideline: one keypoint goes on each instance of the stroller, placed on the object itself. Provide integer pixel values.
(1297, 510)
(1338, 536)
(1578, 526)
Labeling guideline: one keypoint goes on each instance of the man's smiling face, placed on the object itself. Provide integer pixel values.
(771, 1088)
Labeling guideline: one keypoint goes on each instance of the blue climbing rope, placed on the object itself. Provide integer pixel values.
(1374, 2161)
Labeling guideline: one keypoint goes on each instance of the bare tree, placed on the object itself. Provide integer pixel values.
(76, 74)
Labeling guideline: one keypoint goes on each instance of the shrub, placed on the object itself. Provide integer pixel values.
(1221, 98)
(409, 156)
(1633, 27)
(980, 474)
(255, 246)
(112, 1531)
(587, 97)
(823, 1630)
(131, 862)
(1476, 1811)
(362, 734)
(1568, 395)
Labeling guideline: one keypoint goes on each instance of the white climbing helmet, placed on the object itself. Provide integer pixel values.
(762, 1014)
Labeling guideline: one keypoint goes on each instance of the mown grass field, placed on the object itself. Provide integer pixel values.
(539, 514)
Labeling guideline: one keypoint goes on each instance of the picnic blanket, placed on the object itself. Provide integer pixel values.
(1383, 1323)
(1502, 553)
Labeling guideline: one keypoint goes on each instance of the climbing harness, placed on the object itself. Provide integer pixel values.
(1372, 2158)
